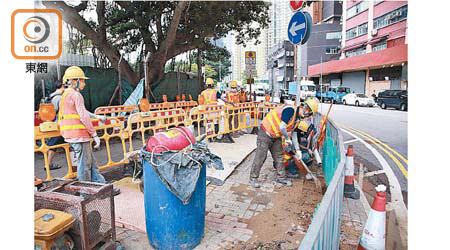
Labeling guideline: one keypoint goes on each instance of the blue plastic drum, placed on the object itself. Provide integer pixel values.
(170, 224)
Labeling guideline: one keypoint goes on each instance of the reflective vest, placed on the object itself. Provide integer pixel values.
(70, 125)
(210, 96)
(271, 123)
(233, 96)
(243, 96)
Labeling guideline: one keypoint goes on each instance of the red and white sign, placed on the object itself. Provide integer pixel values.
(296, 5)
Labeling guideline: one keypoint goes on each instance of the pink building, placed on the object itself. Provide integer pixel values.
(373, 48)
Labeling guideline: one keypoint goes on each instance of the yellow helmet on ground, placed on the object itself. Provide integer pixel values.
(209, 82)
(73, 72)
(303, 126)
(312, 104)
(233, 84)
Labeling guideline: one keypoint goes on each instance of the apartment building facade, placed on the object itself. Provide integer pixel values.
(373, 54)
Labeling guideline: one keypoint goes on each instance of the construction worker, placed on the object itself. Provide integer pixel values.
(211, 96)
(76, 127)
(55, 99)
(301, 150)
(232, 98)
(275, 125)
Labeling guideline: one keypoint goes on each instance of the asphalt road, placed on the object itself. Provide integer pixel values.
(386, 131)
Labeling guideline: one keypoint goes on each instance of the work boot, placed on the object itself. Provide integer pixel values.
(116, 191)
(284, 181)
(254, 183)
(309, 176)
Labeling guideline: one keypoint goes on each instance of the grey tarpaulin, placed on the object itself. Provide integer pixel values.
(179, 171)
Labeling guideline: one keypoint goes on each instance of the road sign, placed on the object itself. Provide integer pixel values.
(250, 58)
(296, 5)
(297, 28)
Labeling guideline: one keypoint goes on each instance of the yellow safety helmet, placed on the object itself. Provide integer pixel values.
(233, 84)
(312, 104)
(73, 72)
(209, 82)
(303, 126)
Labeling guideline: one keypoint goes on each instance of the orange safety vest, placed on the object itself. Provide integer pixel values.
(271, 123)
(70, 125)
(243, 96)
(233, 96)
(210, 96)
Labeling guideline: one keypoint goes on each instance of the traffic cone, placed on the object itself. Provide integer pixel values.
(349, 186)
(374, 234)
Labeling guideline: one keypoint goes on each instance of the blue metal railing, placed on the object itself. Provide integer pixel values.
(325, 228)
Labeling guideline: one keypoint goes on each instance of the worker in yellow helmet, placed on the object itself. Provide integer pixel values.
(211, 95)
(276, 125)
(76, 127)
(232, 98)
(301, 141)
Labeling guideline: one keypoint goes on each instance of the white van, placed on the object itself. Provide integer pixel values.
(307, 89)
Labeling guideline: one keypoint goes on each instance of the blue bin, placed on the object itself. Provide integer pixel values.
(169, 223)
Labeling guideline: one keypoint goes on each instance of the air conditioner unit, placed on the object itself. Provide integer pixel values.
(374, 32)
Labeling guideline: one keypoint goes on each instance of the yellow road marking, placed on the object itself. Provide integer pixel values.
(396, 161)
(386, 146)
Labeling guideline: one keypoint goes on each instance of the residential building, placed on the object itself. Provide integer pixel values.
(324, 43)
(374, 48)
(280, 65)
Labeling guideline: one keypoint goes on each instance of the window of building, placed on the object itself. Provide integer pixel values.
(391, 17)
(356, 31)
(379, 46)
(358, 8)
(332, 50)
(377, 2)
(356, 52)
(334, 35)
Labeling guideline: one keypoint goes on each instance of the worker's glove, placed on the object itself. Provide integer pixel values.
(102, 118)
(298, 154)
(288, 143)
(97, 142)
(311, 153)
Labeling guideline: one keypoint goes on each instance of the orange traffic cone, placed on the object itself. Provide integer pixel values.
(374, 233)
(349, 182)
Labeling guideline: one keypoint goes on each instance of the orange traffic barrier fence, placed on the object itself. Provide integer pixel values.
(186, 105)
(112, 128)
(265, 107)
(149, 123)
(162, 106)
(205, 118)
(242, 116)
(120, 112)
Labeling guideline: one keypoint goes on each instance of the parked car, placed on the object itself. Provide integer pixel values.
(358, 100)
(260, 92)
(397, 99)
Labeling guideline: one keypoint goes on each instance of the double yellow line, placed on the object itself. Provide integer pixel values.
(385, 148)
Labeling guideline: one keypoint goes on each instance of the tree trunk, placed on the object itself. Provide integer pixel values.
(199, 69)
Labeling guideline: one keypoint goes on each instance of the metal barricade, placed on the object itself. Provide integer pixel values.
(152, 122)
(325, 228)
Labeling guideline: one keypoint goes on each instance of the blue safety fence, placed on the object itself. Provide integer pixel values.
(325, 228)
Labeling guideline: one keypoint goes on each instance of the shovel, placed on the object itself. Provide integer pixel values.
(305, 170)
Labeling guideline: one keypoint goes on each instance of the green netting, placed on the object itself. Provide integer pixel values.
(168, 86)
(102, 82)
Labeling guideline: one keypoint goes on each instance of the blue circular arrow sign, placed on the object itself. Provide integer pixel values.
(297, 28)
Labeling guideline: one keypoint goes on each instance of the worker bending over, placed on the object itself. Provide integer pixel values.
(275, 125)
